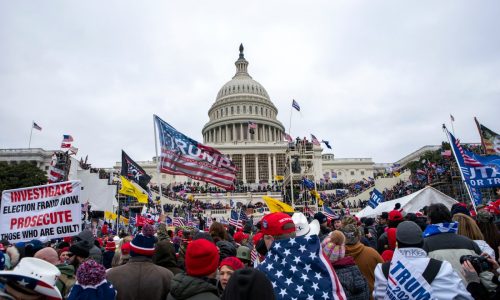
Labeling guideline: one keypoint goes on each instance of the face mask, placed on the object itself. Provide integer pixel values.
(261, 247)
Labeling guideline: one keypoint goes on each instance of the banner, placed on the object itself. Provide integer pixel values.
(41, 212)
(375, 198)
(181, 155)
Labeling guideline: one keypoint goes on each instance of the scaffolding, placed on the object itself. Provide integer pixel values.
(299, 165)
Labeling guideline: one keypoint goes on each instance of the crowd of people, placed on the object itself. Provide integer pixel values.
(435, 253)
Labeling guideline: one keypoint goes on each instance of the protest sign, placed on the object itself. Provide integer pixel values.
(41, 212)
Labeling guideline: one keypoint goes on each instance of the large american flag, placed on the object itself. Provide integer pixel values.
(298, 269)
(468, 160)
(181, 155)
(329, 213)
(315, 140)
(178, 221)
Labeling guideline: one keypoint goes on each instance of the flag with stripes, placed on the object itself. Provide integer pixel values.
(36, 126)
(468, 160)
(254, 255)
(489, 139)
(243, 216)
(67, 138)
(252, 125)
(288, 138)
(329, 213)
(234, 219)
(178, 221)
(181, 155)
(295, 105)
(315, 140)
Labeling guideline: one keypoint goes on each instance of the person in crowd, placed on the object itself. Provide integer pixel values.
(25, 280)
(353, 282)
(109, 253)
(391, 244)
(226, 268)
(474, 283)
(67, 278)
(411, 261)
(64, 255)
(366, 258)
(91, 283)
(381, 224)
(2, 257)
(129, 278)
(485, 221)
(226, 249)
(79, 253)
(468, 227)
(198, 282)
(165, 256)
(369, 237)
(441, 240)
(323, 225)
(244, 254)
(94, 251)
(459, 208)
(218, 232)
(337, 222)
(122, 253)
(276, 226)
(248, 284)
(241, 238)
(394, 218)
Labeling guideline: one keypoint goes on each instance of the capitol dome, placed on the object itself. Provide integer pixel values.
(242, 111)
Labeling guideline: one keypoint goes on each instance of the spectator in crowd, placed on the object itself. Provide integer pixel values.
(248, 284)
(243, 253)
(91, 283)
(382, 224)
(165, 256)
(109, 253)
(218, 232)
(441, 240)
(67, 278)
(485, 221)
(394, 218)
(412, 260)
(323, 224)
(128, 278)
(226, 268)
(366, 258)
(468, 228)
(198, 282)
(353, 282)
(64, 255)
(337, 223)
(94, 252)
(79, 253)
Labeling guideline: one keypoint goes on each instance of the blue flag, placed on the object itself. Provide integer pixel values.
(327, 144)
(308, 183)
(375, 198)
(479, 171)
(296, 105)
(298, 269)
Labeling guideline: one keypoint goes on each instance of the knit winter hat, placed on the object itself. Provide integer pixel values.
(143, 243)
(80, 249)
(351, 233)
(90, 273)
(48, 254)
(409, 233)
(232, 262)
(320, 217)
(202, 258)
(459, 208)
(126, 248)
(334, 246)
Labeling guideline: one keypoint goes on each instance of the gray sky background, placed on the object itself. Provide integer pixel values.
(375, 78)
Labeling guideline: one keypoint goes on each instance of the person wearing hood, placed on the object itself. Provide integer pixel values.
(198, 282)
(67, 279)
(366, 258)
(412, 271)
(248, 284)
(94, 252)
(353, 282)
(226, 269)
(165, 256)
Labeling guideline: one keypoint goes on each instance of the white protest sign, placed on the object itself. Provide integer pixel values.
(41, 212)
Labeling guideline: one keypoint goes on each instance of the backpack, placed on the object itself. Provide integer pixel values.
(429, 273)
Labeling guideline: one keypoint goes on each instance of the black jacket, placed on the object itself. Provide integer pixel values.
(185, 287)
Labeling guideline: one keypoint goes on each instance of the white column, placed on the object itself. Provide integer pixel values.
(257, 168)
(220, 134)
(226, 133)
(244, 168)
(234, 132)
(274, 165)
(241, 131)
(269, 168)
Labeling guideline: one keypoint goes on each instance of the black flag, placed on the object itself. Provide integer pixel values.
(131, 170)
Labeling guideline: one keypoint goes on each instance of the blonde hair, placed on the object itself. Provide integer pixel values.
(468, 227)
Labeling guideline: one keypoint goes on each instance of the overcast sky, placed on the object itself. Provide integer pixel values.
(375, 78)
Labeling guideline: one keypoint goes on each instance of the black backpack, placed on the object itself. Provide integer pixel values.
(429, 274)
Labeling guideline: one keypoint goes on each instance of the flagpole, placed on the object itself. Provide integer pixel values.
(289, 124)
(157, 159)
(452, 119)
(459, 168)
(480, 135)
(31, 133)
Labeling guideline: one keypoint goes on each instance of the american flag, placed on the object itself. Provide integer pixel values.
(288, 138)
(36, 126)
(252, 125)
(315, 140)
(67, 138)
(295, 105)
(178, 221)
(329, 213)
(468, 160)
(234, 220)
(298, 269)
(254, 255)
(243, 215)
(65, 145)
(181, 155)
(308, 212)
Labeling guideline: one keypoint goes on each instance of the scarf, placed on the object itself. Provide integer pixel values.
(433, 229)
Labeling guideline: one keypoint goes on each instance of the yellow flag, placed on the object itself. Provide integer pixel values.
(277, 206)
(129, 189)
(124, 220)
(109, 215)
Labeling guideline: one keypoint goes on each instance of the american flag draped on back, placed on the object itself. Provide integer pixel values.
(298, 269)
(181, 155)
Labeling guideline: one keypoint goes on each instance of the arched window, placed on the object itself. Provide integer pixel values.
(232, 110)
(261, 111)
(237, 109)
(226, 111)
(250, 109)
(244, 109)
(217, 114)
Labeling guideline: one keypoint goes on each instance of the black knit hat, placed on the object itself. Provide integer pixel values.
(80, 249)
(320, 217)
(248, 284)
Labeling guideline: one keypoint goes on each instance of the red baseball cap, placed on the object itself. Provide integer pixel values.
(395, 215)
(277, 223)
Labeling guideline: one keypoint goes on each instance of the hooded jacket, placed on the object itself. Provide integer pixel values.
(165, 256)
(67, 279)
(446, 284)
(185, 287)
(94, 252)
(353, 282)
(366, 259)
